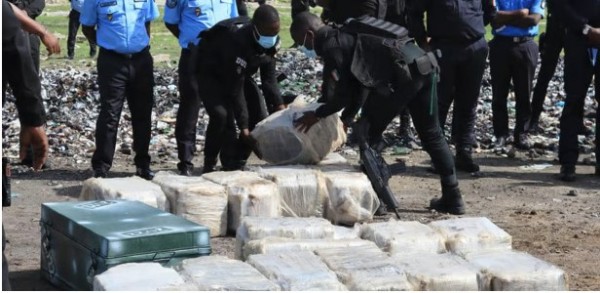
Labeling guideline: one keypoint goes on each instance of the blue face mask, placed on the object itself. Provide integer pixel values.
(266, 42)
(311, 54)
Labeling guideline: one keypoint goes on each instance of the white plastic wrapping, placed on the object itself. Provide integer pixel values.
(465, 235)
(333, 159)
(252, 198)
(281, 143)
(351, 197)
(297, 271)
(517, 271)
(218, 273)
(398, 237)
(341, 232)
(365, 268)
(438, 272)
(225, 178)
(148, 276)
(303, 191)
(254, 228)
(129, 188)
(271, 245)
(196, 199)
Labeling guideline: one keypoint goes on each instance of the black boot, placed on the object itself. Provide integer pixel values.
(210, 165)
(185, 169)
(451, 201)
(567, 173)
(464, 160)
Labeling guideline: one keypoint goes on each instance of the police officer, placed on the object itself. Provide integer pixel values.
(356, 65)
(513, 56)
(125, 71)
(299, 6)
(456, 28)
(33, 8)
(74, 16)
(554, 41)
(230, 53)
(19, 71)
(186, 20)
(582, 63)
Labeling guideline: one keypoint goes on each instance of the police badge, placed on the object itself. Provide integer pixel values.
(109, 16)
(198, 11)
(171, 3)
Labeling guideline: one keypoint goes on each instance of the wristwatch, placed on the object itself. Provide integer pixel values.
(586, 30)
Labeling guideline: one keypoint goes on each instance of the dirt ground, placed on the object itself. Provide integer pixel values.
(557, 222)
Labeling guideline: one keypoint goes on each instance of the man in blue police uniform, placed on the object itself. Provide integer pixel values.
(74, 16)
(121, 29)
(513, 56)
(186, 19)
(582, 63)
(456, 28)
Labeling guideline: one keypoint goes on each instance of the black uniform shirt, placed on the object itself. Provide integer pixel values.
(578, 13)
(341, 10)
(235, 57)
(33, 7)
(450, 20)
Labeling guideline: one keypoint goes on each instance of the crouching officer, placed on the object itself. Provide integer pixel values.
(230, 53)
(358, 64)
(186, 20)
(125, 71)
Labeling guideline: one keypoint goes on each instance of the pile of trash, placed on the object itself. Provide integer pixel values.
(71, 99)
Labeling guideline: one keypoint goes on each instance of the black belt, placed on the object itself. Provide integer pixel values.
(457, 41)
(515, 40)
(126, 56)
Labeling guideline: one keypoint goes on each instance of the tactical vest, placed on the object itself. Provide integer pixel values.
(384, 55)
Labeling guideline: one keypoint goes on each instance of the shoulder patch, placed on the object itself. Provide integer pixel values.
(241, 62)
(171, 3)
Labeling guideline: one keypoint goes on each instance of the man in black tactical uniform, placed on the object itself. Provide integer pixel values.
(34, 9)
(230, 53)
(356, 65)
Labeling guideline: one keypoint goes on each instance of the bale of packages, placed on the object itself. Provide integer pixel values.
(273, 245)
(398, 237)
(351, 197)
(279, 142)
(466, 235)
(365, 268)
(255, 228)
(218, 273)
(438, 272)
(129, 188)
(297, 271)
(147, 276)
(303, 192)
(196, 199)
(517, 271)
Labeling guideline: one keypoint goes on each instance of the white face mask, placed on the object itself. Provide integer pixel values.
(311, 54)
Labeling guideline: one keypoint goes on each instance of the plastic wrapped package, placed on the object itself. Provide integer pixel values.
(270, 245)
(297, 271)
(438, 272)
(254, 228)
(341, 232)
(351, 198)
(148, 276)
(281, 143)
(129, 188)
(224, 178)
(302, 191)
(398, 237)
(218, 273)
(333, 159)
(196, 199)
(248, 197)
(465, 235)
(517, 271)
(365, 268)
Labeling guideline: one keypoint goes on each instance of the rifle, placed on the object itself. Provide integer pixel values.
(375, 167)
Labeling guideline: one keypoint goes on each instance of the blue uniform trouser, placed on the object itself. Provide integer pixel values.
(579, 72)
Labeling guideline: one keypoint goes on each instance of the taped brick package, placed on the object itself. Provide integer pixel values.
(281, 143)
(129, 188)
(351, 197)
(398, 237)
(297, 271)
(517, 271)
(218, 273)
(253, 228)
(147, 276)
(438, 272)
(280, 245)
(465, 235)
(196, 199)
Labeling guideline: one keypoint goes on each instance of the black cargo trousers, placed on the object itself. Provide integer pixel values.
(579, 72)
(72, 34)
(123, 77)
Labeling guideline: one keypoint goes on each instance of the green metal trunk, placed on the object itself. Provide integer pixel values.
(82, 239)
